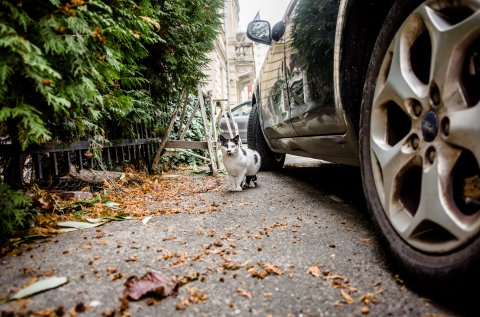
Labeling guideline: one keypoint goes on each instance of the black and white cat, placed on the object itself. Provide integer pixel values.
(242, 165)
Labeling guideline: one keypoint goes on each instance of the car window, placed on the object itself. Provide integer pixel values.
(242, 110)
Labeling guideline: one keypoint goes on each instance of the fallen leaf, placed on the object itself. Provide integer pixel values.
(151, 282)
(335, 198)
(270, 268)
(335, 277)
(78, 224)
(146, 220)
(116, 276)
(347, 297)
(366, 240)
(183, 304)
(228, 265)
(370, 298)
(196, 296)
(40, 286)
(337, 304)
(132, 258)
(218, 243)
(243, 292)
(112, 205)
(254, 273)
(314, 270)
(212, 233)
(364, 310)
(108, 218)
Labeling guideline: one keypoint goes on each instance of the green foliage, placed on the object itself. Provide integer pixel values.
(71, 68)
(14, 210)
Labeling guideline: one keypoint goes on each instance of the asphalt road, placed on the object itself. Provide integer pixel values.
(300, 244)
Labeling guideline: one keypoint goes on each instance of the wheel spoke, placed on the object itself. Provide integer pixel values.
(400, 84)
(392, 161)
(449, 43)
(434, 206)
(464, 130)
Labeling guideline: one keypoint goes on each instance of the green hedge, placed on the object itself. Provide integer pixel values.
(69, 68)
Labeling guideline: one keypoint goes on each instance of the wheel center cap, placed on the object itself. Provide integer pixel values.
(430, 126)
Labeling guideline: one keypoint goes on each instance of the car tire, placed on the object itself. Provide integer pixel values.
(413, 176)
(256, 141)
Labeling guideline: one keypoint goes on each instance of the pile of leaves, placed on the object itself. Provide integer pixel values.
(136, 196)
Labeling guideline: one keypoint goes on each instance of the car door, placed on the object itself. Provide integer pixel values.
(309, 45)
(275, 109)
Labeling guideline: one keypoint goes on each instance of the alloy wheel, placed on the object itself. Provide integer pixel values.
(425, 127)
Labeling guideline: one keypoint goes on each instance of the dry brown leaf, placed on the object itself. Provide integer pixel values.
(116, 276)
(254, 273)
(227, 265)
(314, 270)
(364, 310)
(168, 256)
(370, 298)
(337, 284)
(336, 277)
(212, 233)
(195, 296)
(270, 268)
(132, 258)
(243, 292)
(347, 296)
(151, 282)
(366, 240)
(183, 304)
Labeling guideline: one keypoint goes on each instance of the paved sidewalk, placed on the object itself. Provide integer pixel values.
(298, 245)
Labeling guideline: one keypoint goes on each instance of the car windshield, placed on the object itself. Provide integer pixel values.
(242, 110)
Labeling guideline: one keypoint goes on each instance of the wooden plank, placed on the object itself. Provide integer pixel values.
(193, 145)
(214, 130)
(158, 155)
(190, 119)
(211, 153)
(182, 118)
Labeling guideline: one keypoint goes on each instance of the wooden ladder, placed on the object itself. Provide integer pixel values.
(179, 144)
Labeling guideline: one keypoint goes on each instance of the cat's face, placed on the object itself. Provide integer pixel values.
(230, 146)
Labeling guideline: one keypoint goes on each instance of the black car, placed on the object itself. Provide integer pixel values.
(393, 87)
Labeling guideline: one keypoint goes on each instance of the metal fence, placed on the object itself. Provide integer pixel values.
(55, 159)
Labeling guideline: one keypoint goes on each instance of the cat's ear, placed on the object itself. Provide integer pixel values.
(236, 138)
(221, 138)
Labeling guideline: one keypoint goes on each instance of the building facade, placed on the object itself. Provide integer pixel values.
(231, 71)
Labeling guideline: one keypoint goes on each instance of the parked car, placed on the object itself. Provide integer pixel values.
(390, 86)
(241, 113)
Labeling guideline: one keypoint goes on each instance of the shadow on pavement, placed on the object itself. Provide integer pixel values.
(327, 179)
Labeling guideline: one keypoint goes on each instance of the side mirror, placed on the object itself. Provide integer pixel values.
(278, 31)
(259, 31)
